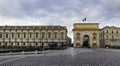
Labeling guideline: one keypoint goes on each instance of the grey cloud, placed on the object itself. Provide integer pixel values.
(110, 9)
(23, 8)
(60, 11)
(10, 9)
(28, 7)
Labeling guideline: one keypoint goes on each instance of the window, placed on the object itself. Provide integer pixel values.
(62, 35)
(49, 35)
(30, 35)
(18, 43)
(6, 35)
(112, 31)
(107, 31)
(36, 44)
(107, 36)
(11, 44)
(13, 35)
(0, 43)
(117, 32)
(37, 35)
(43, 35)
(5, 43)
(18, 35)
(23, 44)
(56, 35)
(24, 35)
(0, 35)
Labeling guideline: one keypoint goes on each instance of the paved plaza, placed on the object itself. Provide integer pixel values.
(66, 57)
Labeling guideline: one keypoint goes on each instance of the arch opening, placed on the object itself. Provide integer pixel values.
(86, 41)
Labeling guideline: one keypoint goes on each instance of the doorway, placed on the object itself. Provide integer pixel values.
(86, 41)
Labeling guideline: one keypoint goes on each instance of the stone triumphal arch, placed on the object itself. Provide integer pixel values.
(86, 35)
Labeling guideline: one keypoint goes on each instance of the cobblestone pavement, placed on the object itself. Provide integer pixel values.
(67, 57)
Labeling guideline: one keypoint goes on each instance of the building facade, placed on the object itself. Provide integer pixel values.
(32, 36)
(86, 35)
(110, 36)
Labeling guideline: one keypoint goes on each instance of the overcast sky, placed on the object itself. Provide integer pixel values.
(59, 12)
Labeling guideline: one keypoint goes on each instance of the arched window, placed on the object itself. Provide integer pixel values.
(36, 34)
(107, 31)
(49, 35)
(13, 35)
(0, 35)
(18, 35)
(12, 44)
(24, 44)
(5, 43)
(6, 35)
(107, 36)
(56, 34)
(30, 35)
(24, 35)
(17, 43)
(62, 35)
(112, 31)
(43, 35)
(36, 44)
(117, 31)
